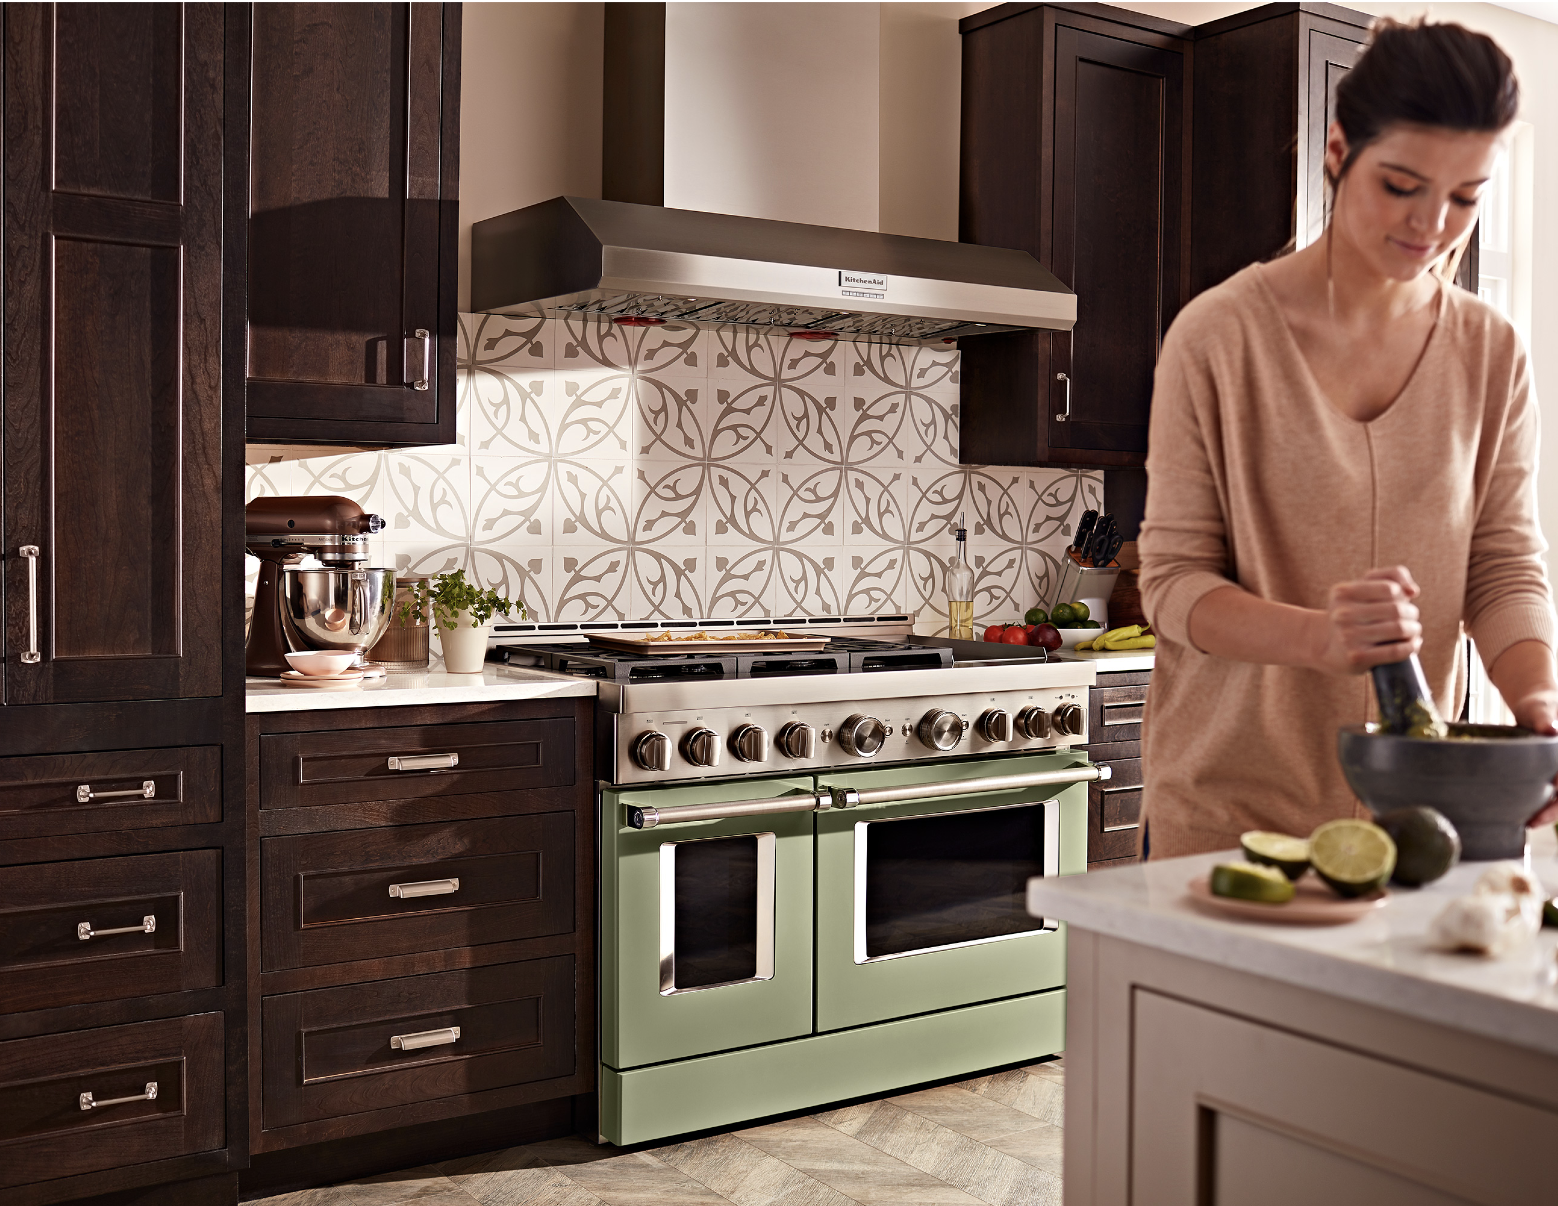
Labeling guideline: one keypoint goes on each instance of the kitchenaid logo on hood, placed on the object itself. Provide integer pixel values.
(863, 284)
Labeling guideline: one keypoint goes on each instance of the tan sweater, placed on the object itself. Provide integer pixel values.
(1255, 479)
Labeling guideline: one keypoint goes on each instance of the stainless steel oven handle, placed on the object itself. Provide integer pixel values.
(642, 816)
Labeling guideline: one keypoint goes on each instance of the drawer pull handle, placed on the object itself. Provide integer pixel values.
(146, 791)
(425, 887)
(87, 1103)
(424, 762)
(31, 655)
(425, 1038)
(148, 926)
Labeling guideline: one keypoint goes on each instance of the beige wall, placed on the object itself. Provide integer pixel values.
(530, 110)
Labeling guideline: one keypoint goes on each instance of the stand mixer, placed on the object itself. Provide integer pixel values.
(345, 605)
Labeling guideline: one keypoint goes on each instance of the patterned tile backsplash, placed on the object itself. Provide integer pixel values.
(605, 472)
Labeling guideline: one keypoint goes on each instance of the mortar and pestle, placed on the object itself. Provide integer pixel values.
(1488, 779)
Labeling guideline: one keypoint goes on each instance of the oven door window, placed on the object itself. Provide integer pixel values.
(716, 912)
(927, 883)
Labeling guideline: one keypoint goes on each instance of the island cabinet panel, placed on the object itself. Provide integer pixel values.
(364, 1049)
(112, 388)
(1227, 1110)
(333, 897)
(1075, 148)
(352, 212)
(46, 1132)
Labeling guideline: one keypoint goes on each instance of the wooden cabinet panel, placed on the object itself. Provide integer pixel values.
(300, 770)
(52, 948)
(112, 394)
(328, 1052)
(1114, 804)
(46, 1134)
(327, 897)
(1115, 714)
(42, 797)
(352, 195)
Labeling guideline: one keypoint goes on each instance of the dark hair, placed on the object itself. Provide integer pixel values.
(1424, 74)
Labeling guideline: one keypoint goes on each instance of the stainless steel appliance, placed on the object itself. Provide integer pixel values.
(346, 609)
(813, 871)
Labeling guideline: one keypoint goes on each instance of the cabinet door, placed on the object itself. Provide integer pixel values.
(351, 223)
(1119, 159)
(1327, 58)
(112, 394)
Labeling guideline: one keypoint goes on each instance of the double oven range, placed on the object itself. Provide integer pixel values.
(813, 870)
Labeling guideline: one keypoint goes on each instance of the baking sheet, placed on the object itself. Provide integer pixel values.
(733, 645)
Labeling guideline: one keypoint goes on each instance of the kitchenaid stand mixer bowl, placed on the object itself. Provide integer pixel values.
(345, 609)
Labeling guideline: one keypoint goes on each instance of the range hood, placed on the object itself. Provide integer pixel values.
(570, 255)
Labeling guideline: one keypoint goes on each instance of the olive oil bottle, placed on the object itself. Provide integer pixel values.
(960, 590)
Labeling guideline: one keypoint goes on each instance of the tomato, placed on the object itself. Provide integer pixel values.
(1015, 635)
(993, 633)
(1048, 636)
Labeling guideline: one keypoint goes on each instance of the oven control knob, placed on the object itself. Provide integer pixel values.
(797, 740)
(1070, 720)
(996, 725)
(1034, 723)
(652, 751)
(749, 743)
(701, 747)
(940, 730)
(862, 736)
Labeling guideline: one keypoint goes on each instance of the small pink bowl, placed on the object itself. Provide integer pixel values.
(316, 662)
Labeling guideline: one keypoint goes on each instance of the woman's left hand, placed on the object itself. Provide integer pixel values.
(1539, 713)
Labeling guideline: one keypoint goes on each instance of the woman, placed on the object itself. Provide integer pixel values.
(1341, 468)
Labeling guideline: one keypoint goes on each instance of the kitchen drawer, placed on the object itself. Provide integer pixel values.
(302, 770)
(330, 1052)
(1114, 810)
(1114, 713)
(43, 796)
(53, 916)
(44, 1131)
(326, 897)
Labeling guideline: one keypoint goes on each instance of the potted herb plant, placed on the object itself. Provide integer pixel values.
(460, 611)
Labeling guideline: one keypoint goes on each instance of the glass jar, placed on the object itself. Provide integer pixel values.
(406, 643)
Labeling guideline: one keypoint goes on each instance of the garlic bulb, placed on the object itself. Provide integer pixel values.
(1480, 923)
(1516, 881)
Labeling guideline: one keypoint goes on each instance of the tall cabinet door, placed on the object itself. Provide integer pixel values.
(112, 313)
(352, 187)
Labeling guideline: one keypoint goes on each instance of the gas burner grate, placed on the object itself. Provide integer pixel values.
(841, 655)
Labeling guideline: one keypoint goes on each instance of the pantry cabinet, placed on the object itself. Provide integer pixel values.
(1075, 148)
(353, 199)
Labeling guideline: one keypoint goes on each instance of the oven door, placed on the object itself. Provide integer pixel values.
(706, 926)
(921, 905)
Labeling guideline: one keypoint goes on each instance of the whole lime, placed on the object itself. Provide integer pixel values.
(1063, 615)
(1081, 611)
(1426, 844)
(1036, 615)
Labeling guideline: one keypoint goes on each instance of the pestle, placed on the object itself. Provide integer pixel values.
(1406, 708)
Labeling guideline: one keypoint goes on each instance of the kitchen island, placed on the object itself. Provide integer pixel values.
(1211, 1060)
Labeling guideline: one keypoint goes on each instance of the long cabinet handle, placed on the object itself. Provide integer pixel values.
(148, 925)
(426, 338)
(31, 655)
(410, 762)
(146, 791)
(425, 1038)
(1065, 414)
(424, 887)
(643, 816)
(87, 1102)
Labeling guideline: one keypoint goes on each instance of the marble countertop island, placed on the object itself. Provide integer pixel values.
(1383, 960)
(494, 684)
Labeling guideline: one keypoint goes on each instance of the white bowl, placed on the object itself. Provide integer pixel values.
(1070, 638)
(315, 662)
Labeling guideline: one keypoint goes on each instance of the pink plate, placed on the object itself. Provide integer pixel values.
(1312, 904)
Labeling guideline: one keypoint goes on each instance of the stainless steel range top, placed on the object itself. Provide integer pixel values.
(885, 701)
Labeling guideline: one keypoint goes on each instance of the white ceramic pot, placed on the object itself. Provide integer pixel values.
(465, 646)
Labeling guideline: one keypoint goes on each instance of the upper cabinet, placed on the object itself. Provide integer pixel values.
(1075, 148)
(112, 399)
(353, 198)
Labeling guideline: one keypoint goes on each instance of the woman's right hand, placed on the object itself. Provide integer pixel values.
(1369, 622)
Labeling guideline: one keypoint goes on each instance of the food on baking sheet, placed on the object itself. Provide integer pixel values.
(770, 634)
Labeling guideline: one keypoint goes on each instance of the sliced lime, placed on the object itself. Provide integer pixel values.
(1251, 881)
(1282, 850)
(1354, 857)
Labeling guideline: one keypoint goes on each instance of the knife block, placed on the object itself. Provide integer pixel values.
(1077, 581)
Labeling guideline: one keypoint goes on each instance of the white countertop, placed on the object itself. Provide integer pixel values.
(1382, 960)
(1108, 661)
(395, 690)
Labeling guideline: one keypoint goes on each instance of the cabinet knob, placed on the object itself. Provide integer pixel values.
(701, 747)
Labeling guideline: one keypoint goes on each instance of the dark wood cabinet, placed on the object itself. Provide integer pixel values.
(113, 351)
(353, 198)
(1115, 710)
(1075, 148)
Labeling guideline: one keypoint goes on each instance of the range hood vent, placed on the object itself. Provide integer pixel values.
(618, 260)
